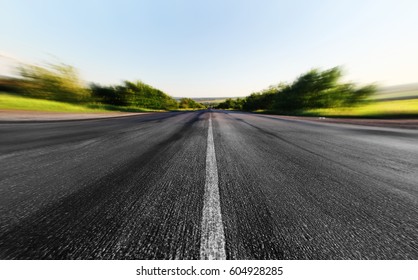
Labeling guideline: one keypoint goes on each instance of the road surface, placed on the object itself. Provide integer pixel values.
(207, 184)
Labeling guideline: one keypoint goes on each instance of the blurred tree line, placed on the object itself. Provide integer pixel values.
(58, 82)
(230, 103)
(136, 94)
(312, 90)
(61, 82)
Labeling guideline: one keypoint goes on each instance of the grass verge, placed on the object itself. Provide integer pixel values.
(379, 109)
(14, 102)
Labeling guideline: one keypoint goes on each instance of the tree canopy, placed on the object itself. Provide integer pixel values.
(188, 103)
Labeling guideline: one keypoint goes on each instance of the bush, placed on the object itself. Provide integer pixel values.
(109, 95)
(229, 103)
(135, 94)
(320, 89)
(188, 103)
(313, 90)
(59, 82)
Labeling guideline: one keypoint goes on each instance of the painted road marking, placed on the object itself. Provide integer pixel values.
(212, 244)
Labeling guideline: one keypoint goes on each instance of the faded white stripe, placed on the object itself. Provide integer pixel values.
(212, 244)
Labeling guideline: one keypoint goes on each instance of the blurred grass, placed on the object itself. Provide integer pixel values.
(14, 102)
(383, 109)
(378, 109)
(108, 108)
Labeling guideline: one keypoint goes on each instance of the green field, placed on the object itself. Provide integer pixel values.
(395, 108)
(379, 109)
(14, 102)
(211, 101)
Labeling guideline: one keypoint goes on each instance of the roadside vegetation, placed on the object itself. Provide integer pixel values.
(313, 90)
(58, 87)
(188, 103)
(133, 94)
(210, 101)
(321, 93)
(378, 109)
(17, 102)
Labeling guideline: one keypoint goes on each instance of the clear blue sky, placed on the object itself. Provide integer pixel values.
(215, 48)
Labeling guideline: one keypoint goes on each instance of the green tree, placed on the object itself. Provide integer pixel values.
(314, 89)
(188, 103)
(135, 94)
(320, 89)
(230, 103)
(112, 95)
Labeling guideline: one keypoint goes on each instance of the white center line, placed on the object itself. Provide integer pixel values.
(212, 244)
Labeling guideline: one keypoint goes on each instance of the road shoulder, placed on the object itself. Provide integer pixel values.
(23, 116)
(395, 123)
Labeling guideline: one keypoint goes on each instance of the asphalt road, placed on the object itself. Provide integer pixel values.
(171, 185)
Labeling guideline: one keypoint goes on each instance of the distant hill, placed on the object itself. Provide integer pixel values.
(208, 100)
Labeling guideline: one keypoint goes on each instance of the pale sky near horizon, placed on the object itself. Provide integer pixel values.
(215, 48)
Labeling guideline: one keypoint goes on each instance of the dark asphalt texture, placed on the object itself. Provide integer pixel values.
(133, 187)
